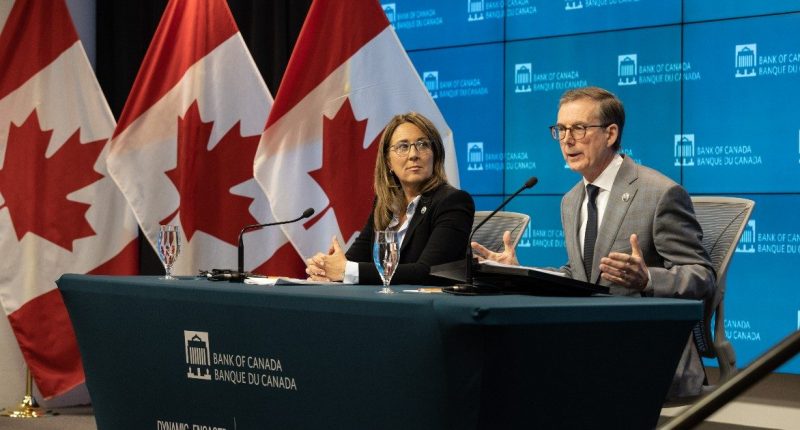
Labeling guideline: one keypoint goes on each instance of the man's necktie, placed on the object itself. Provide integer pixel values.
(591, 230)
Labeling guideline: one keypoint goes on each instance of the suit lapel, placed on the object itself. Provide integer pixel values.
(420, 213)
(572, 211)
(622, 194)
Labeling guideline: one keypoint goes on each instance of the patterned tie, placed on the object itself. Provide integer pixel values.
(591, 230)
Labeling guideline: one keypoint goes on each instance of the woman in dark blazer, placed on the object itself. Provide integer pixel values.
(412, 197)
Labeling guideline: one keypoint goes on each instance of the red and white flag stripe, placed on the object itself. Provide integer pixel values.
(60, 211)
(183, 150)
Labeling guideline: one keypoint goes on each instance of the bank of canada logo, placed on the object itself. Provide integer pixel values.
(475, 10)
(746, 60)
(684, 150)
(573, 4)
(474, 156)
(390, 11)
(626, 69)
(525, 239)
(431, 80)
(522, 78)
(747, 243)
(198, 354)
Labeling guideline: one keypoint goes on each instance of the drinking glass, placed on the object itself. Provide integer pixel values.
(386, 255)
(168, 247)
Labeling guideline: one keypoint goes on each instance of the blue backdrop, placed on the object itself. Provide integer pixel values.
(709, 86)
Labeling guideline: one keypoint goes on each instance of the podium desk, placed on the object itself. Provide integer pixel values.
(198, 355)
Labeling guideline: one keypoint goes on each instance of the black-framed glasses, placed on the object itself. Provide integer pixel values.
(403, 147)
(578, 131)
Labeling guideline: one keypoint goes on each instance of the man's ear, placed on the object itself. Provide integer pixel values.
(613, 135)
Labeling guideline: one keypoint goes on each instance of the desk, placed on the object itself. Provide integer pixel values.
(178, 354)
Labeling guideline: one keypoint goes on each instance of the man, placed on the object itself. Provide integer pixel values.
(625, 225)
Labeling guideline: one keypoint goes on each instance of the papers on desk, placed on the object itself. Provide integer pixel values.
(274, 280)
(511, 266)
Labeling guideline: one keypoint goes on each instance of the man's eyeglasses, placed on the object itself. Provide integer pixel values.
(578, 131)
(402, 148)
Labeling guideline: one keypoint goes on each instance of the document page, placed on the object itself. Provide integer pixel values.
(511, 266)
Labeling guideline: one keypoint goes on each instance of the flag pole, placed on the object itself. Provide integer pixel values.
(28, 408)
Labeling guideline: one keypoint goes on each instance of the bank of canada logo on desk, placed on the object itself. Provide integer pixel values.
(474, 156)
(525, 239)
(746, 60)
(684, 150)
(573, 4)
(747, 243)
(431, 80)
(626, 69)
(522, 78)
(475, 10)
(198, 354)
(391, 11)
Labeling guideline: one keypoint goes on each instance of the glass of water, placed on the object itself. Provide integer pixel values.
(386, 256)
(168, 247)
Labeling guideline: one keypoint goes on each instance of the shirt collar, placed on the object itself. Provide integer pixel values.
(410, 210)
(606, 179)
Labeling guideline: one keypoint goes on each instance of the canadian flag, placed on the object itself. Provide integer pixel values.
(347, 77)
(59, 210)
(183, 150)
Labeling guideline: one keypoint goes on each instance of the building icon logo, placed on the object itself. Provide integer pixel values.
(684, 150)
(746, 60)
(390, 10)
(525, 239)
(198, 354)
(747, 243)
(431, 80)
(573, 4)
(522, 78)
(475, 10)
(626, 69)
(474, 156)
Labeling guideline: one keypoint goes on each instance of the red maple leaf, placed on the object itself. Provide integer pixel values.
(35, 187)
(204, 178)
(347, 169)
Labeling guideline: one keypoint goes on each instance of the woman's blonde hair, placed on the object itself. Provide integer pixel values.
(390, 196)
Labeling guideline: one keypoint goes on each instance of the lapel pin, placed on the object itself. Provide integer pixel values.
(424, 209)
(626, 197)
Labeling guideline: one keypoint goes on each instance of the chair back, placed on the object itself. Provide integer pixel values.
(490, 234)
(723, 220)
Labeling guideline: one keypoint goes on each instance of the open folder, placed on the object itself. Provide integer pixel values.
(497, 278)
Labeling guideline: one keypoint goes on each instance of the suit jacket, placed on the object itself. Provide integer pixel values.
(660, 212)
(437, 234)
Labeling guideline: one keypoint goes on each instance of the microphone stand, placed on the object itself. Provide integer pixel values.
(240, 274)
(469, 287)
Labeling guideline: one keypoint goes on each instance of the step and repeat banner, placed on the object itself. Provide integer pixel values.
(711, 90)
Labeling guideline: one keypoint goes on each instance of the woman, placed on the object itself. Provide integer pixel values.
(433, 219)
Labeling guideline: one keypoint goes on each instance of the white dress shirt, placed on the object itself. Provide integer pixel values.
(605, 181)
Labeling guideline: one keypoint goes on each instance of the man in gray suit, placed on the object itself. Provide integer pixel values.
(625, 225)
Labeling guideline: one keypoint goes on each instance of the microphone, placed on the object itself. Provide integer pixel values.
(468, 282)
(240, 274)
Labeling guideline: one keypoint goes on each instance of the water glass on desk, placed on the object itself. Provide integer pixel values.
(386, 256)
(168, 246)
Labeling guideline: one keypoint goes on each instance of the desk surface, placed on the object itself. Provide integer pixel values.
(344, 356)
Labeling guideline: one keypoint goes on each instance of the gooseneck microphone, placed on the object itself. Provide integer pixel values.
(240, 275)
(468, 283)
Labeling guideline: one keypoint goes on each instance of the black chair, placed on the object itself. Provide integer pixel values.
(490, 234)
(723, 220)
